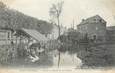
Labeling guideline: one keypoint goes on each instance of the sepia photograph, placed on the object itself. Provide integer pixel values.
(57, 36)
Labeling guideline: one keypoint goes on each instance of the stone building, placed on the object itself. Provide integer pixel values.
(94, 26)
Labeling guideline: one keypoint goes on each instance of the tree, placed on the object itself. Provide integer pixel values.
(55, 13)
(73, 42)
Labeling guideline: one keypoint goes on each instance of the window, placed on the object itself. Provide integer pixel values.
(94, 37)
(8, 34)
(95, 20)
(100, 20)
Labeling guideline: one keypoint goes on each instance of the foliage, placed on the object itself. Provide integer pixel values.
(52, 45)
(14, 19)
(7, 54)
(72, 41)
(55, 14)
(96, 57)
(56, 10)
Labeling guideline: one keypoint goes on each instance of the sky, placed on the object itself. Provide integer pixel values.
(72, 10)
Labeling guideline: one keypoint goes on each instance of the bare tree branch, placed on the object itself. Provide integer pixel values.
(55, 12)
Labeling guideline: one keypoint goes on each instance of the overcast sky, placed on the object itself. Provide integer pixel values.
(73, 9)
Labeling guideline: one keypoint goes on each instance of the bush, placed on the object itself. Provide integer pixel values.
(96, 57)
(6, 54)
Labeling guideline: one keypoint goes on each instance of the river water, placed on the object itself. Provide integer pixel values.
(67, 60)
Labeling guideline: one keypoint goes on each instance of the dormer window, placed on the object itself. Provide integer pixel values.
(95, 20)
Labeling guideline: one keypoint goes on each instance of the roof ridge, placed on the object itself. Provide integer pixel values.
(35, 34)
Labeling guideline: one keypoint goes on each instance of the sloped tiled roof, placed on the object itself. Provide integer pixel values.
(95, 17)
(91, 19)
(35, 34)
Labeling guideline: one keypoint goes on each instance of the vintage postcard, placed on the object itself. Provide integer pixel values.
(57, 36)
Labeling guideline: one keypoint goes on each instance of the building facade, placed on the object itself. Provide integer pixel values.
(5, 36)
(94, 27)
